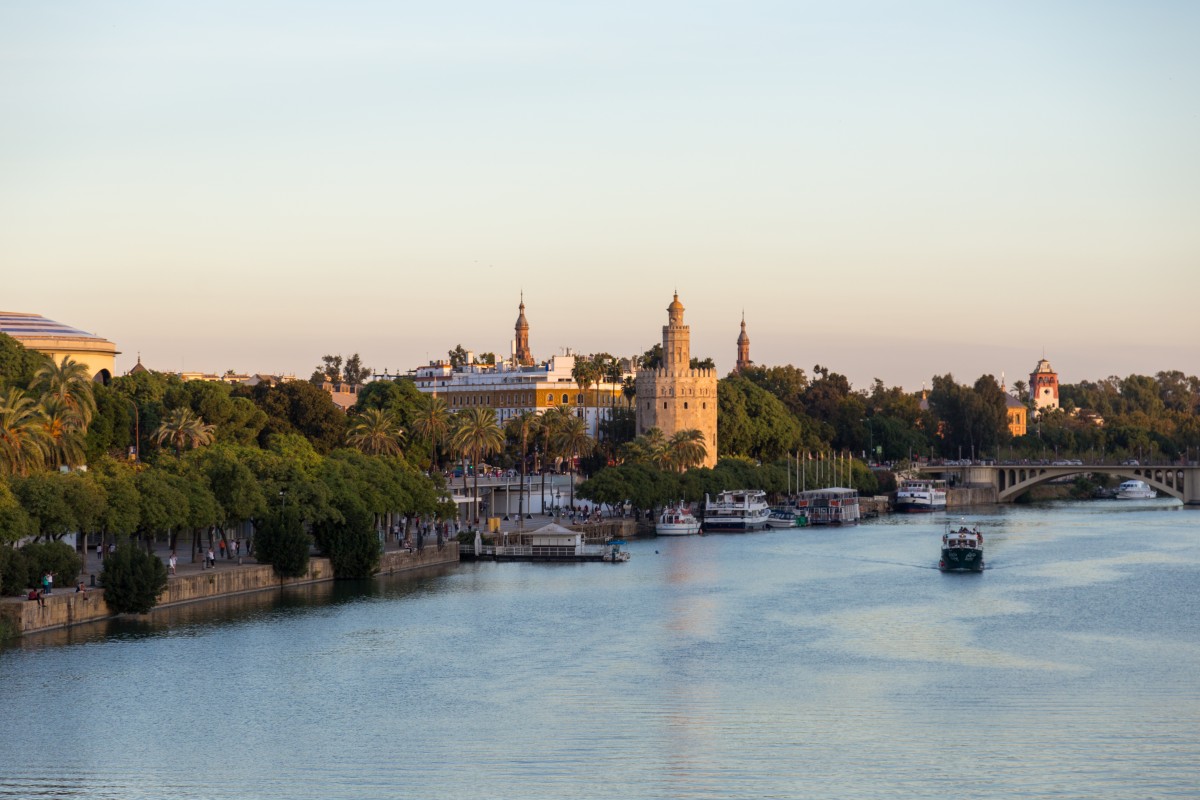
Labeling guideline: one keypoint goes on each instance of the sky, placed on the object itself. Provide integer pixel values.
(893, 190)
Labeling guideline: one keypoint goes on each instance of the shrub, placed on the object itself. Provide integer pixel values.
(282, 542)
(353, 546)
(133, 579)
(59, 559)
(14, 571)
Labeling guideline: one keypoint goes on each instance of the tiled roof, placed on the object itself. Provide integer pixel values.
(22, 326)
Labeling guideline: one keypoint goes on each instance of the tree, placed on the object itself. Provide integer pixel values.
(458, 357)
(133, 579)
(182, 428)
(476, 432)
(572, 440)
(282, 542)
(376, 432)
(431, 423)
(57, 558)
(63, 433)
(687, 449)
(17, 363)
(652, 358)
(355, 373)
(300, 407)
(522, 427)
(330, 369)
(22, 438)
(702, 363)
(68, 381)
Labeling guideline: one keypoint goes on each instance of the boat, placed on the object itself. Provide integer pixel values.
(833, 506)
(787, 517)
(736, 510)
(921, 494)
(962, 549)
(1135, 490)
(677, 521)
(615, 555)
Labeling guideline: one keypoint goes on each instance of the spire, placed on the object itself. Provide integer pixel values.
(743, 347)
(521, 342)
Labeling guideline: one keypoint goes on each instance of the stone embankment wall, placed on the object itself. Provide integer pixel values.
(607, 529)
(72, 608)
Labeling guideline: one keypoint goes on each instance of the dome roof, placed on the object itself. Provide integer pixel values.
(22, 326)
(675, 304)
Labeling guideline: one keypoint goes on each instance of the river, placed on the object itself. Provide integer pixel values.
(825, 663)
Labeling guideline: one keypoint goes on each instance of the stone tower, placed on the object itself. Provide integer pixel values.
(674, 397)
(521, 349)
(1043, 387)
(743, 355)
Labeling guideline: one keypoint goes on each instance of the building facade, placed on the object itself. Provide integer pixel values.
(674, 397)
(1043, 387)
(57, 341)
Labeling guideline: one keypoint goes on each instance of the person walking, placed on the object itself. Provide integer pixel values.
(99, 552)
(212, 558)
(171, 562)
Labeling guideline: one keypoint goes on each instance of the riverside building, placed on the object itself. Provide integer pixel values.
(674, 396)
(520, 384)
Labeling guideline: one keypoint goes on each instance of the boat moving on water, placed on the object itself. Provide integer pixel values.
(1135, 490)
(921, 494)
(736, 510)
(962, 549)
(832, 506)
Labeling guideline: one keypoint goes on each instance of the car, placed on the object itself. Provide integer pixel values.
(1131, 462)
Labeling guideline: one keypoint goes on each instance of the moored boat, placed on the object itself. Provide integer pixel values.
(921, 494)
(962, 549)
(833, 506)
(787, 517)
(736, 510)
(1135, 490)
(677, 521)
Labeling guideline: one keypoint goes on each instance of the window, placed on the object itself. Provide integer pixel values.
(579, 399)
(565, 398)
(550, 398)
(704, 405)
(685, 405)
(664, 404)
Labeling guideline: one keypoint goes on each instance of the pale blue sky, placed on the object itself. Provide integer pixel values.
(889, 189)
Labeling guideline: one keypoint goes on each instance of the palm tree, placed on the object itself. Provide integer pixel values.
(687, 449)
(650, 448)
(376, 432)
(629, 391)
(585, 372)
(476, 432)
(182, 428)
(523, 426)
(431, 423)
(63, 432)
(553, 419)
(573, 441)
(68, 380)
(22, 438)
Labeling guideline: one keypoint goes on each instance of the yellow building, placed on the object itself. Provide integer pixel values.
(56, 340)
(1018, 415)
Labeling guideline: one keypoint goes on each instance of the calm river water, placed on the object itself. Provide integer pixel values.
(817, 663)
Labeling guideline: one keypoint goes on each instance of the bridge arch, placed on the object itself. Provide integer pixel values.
(1012, 482)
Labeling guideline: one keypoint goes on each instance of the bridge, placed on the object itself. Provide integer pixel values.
(1010, 480)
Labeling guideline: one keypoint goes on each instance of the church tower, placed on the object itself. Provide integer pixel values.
(674, 397)
(521, 347)
(743, 344)
(1043, 387)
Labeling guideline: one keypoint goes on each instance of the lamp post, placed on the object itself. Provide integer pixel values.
(137, 431)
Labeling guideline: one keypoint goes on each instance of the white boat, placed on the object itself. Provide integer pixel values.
(787, 517)
(677, 521)
(1135, 490)
(962, 549)
(736, 510)
(833, 506)
(921, 494)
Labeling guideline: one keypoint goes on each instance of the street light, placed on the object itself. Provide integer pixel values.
(137, 431)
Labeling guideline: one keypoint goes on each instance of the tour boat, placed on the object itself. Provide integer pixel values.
(1135, 490)
(677, 521)
(921, 494)
(736, 510)
(832, 506)
(962, 549)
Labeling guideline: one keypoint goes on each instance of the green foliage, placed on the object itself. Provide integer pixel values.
(58, 503)
(753, 422)
(352, 546)
(282, 542)
(15, 524)
(133, 579)
(17, 365)
(15, 572)
(59, 559)
(299, 407)
(458, 356)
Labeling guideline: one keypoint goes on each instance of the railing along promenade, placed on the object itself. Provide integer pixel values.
(1011, 479)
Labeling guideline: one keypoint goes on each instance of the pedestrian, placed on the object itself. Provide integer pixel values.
(99, 552)
(221, 547)
(171, 562)
(48, 583)
(112, 548)
(237, 547)
(80, 589)
(212, 558)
